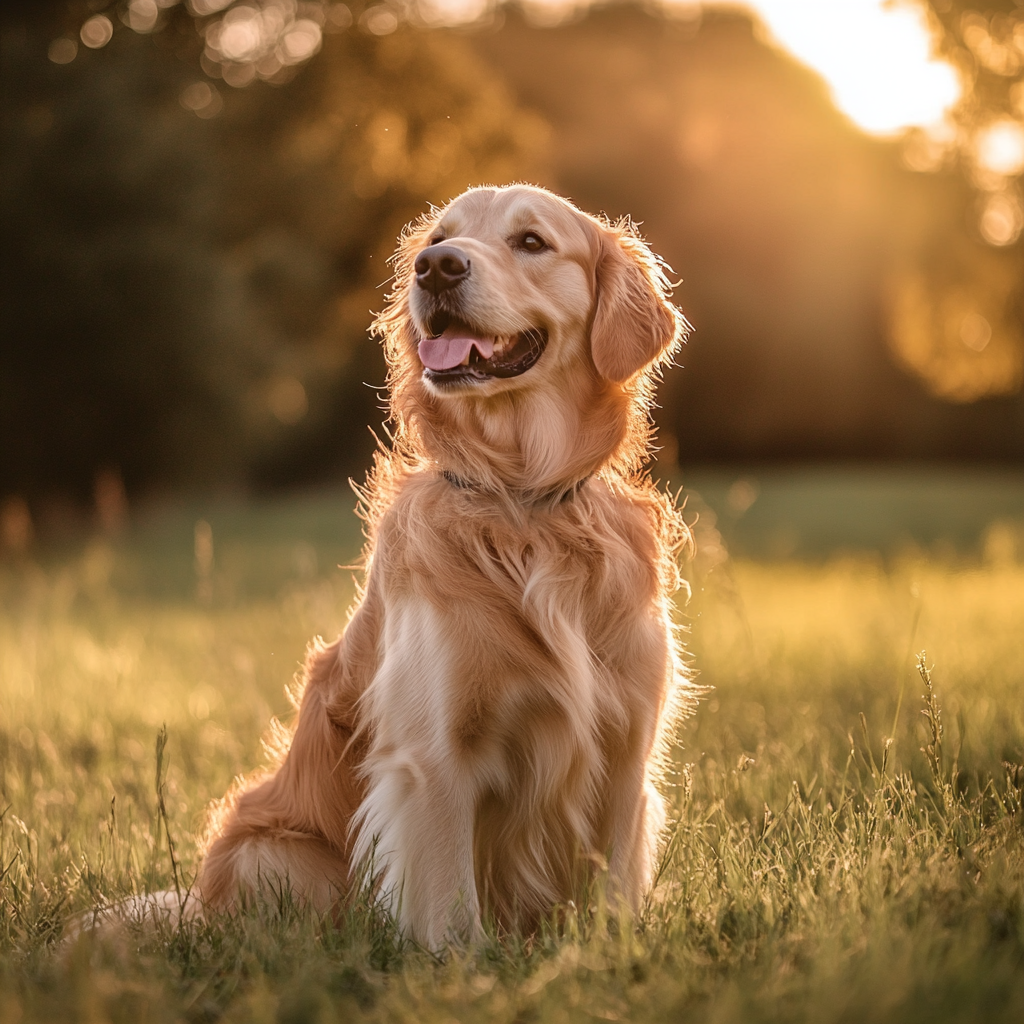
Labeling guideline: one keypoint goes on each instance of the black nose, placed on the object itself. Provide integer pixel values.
(440, 267)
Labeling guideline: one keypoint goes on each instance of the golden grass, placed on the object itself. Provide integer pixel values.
(831, 857)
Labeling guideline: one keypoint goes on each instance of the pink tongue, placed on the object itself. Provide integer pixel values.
(451, 349)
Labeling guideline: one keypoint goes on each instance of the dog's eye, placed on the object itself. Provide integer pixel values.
(437, 239)
(532, 242)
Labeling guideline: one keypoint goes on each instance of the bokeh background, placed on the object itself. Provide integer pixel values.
(199, 199)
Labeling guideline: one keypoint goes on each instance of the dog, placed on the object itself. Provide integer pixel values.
(487, 734)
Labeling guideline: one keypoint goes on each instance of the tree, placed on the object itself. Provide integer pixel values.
(957, 306)
(192, 266)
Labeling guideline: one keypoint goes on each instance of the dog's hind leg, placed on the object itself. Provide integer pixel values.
(271, 862)
(292, 829)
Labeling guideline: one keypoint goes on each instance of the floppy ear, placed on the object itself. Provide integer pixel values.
(634, 322)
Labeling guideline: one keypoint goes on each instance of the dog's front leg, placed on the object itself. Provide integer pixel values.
(417, 829)
(635, 809)
(638, 817)
(415, 825)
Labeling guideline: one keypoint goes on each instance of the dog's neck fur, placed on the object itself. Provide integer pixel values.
(533, 443)
(555, 497)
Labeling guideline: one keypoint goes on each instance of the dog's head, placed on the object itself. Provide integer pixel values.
(516, 316)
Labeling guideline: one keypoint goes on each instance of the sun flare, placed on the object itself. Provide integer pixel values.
(875, 56)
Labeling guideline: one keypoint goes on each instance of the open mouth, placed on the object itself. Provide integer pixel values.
(455, 353)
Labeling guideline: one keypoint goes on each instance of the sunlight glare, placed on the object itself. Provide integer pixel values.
(999, 147)
(875, 56)
(451, 12)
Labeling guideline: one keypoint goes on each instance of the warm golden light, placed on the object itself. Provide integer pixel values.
(202, 99)
(250, 42)
(875, 56)
(961, 339)
(63, 50)
(451, 12)
(287, 400)
(97, 32)
(999, 147)
(1001, 219)
(143, 15)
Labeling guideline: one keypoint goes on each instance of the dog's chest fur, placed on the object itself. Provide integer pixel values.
(490, 726)
(526, 649)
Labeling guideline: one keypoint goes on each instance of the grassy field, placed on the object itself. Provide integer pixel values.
(845, 845)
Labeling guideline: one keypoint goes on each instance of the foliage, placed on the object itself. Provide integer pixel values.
(190, 295)
(834, 854)
(191, 261)
(963, 293)
(980, 37)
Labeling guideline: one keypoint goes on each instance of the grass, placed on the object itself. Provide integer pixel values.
(847, 839)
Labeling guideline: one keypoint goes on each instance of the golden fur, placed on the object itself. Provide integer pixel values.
(488, 727)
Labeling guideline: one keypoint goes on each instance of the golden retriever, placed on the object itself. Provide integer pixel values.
(487, 730)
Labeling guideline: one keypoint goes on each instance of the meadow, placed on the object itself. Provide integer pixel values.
(846, 840)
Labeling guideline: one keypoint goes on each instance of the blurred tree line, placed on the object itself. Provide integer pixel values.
(186, 297)
(196, 227)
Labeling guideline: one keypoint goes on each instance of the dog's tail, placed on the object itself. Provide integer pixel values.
(156, 911)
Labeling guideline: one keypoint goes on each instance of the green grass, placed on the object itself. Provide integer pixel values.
(834, 855)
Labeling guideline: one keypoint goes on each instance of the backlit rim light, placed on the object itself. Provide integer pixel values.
(876, 57)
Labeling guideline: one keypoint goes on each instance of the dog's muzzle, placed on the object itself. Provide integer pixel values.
(454, 352)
